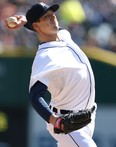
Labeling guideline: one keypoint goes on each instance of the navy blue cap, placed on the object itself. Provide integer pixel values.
(36, 12)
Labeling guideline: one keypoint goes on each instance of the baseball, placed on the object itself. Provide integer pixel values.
(11, 22)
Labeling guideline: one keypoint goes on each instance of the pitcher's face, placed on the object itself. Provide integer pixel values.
(48, 23)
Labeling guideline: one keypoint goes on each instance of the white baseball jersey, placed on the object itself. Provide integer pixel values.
(65, 70)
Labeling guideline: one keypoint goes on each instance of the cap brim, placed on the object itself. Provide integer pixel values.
(54, 8)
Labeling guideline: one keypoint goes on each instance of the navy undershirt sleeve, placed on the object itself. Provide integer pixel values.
(36, 95)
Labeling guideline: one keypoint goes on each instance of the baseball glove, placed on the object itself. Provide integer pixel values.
(72, 121)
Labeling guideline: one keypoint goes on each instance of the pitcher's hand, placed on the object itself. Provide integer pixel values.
(21, 20)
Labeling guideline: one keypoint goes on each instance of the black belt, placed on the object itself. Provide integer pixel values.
(61, 111)
(67, 111)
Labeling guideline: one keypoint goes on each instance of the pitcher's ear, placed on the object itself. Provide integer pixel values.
(35, 26)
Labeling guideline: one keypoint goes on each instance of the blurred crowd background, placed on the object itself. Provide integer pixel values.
(90, 22)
